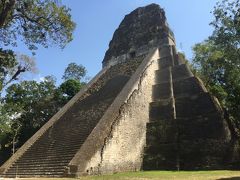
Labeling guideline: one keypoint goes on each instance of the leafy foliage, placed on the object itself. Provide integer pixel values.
(217, 60)
(7, 63)
(74, 71)
(35, 22)
(27, 106)
(70, 87)
(227, 25)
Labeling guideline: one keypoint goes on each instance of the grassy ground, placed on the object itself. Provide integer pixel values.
(162, 175)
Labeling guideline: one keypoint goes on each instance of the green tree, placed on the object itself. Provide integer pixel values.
(35, 22)
(69, 88)
(74, 71)
(5, 123)
(227, 26)
(217, 60)
(12, 66)
(27, 106)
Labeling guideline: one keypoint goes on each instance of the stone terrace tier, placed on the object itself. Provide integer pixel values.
(187, 130)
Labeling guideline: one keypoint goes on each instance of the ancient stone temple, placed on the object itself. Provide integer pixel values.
(145, 110)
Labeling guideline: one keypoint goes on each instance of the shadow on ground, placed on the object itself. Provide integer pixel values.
(230, 178)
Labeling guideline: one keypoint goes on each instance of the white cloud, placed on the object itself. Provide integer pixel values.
(39, 78)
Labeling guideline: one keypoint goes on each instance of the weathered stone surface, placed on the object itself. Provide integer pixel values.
(141, 30)
(62, 141)
(197, 105)
(181, 72)
(162, 91)
(187, 87)
(117, 142)
(161, 157)
(202, 154)
(163, 76)
(202, 127)
(161, 110)
(166, 62)
(162, 132)
(189, 133)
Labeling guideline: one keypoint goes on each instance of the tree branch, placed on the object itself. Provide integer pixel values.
(15, 76)
(5, 12)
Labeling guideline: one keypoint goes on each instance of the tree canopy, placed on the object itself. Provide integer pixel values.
(217, 59)
(35, 22)
(27, 105)
(74, 71)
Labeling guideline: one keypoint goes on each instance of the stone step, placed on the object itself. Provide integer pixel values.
(35, 174)
(165, 62)
(163, 149)
(37, 168)
(166, 51)
(78, 135)
(159, 163)
(160, 156)
(202, 154)
(55, 147)
(59, 139)
(60, 156)
(41, 164)
(45, 158)
(49, 165)
(36, 162)
(162, 75)
(203, 127)
(49, 153)
(73, 132)
(181, 72)
(50, 149)
(187, 87)
(162, 91)
(162, 132)
(197, 105)
(52, 154)
(56, 144)
(161, 110)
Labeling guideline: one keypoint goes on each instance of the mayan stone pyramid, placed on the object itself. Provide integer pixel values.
(145, 110)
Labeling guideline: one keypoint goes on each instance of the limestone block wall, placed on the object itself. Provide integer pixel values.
(124, 147)
(117, 142)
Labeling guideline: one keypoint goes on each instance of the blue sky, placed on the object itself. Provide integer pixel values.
(98, 19)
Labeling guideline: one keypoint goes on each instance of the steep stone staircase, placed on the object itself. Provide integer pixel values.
(183, 117)
(50, 155)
